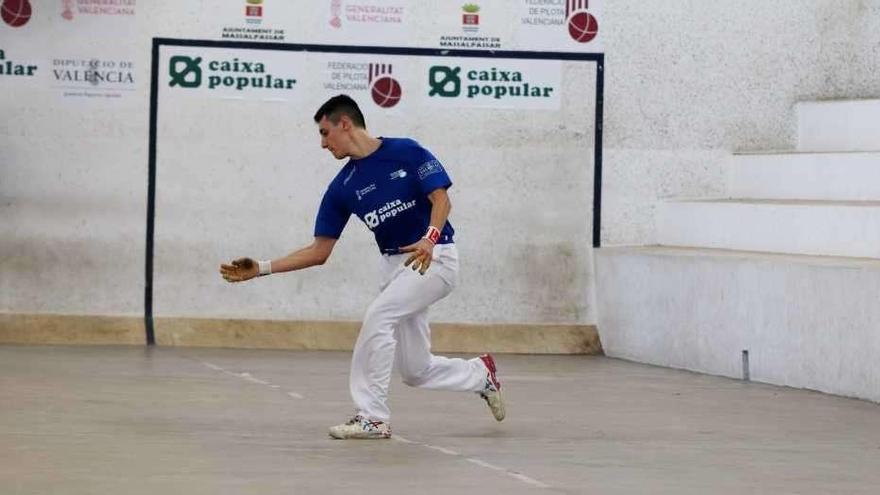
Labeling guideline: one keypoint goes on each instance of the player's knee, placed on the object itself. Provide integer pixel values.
(381, 314)
(374, 319)
(412, 380)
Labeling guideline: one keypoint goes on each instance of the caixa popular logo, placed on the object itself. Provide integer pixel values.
(389, 210)
(582, 25)
(16, 13)
(10, 68)
(188, 72)
(494, 83)
(386, 91)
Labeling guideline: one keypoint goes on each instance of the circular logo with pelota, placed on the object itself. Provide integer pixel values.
(386, 91)
(16, 13)
(582, 25)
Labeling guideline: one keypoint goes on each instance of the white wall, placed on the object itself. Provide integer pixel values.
(245, 178)
(686, 83)
(251, 184)
(72, 171)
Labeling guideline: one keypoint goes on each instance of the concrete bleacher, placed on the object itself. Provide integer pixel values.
(785, 266)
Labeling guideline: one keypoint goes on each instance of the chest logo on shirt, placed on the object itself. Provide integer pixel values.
(398, 174)
(389, 210)
(360, 193)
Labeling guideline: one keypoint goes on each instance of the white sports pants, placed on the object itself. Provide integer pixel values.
(395, 332)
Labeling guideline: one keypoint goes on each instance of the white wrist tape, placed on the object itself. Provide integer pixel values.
(265, 267)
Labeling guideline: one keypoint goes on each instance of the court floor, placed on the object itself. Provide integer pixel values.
(135, 420)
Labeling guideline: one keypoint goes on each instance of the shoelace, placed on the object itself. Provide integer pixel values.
(360, 419)
(490, 386)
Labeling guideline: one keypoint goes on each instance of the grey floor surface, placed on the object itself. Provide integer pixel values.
(132, 420)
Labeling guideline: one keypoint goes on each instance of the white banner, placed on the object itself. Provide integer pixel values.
(558, 25)
(258, 20)
(117, 18)
(364, 22)
(518, 25)
(388, 82)
(232, 73)
(90, 76)
(391, 83)
(493, 83)
(485, 25)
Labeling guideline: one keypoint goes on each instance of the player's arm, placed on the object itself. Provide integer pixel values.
(314, 254)
(423, 249)
(440, 207)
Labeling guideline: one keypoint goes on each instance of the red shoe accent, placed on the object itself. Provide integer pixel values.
(489, 361)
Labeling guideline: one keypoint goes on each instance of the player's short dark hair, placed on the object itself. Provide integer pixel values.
(340, 105)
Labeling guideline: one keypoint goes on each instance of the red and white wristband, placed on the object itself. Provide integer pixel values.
(433, 234)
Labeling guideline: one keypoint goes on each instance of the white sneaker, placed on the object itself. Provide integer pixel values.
(360, 428)
(491, 393)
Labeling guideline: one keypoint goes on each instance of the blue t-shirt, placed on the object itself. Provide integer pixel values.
(388, 190)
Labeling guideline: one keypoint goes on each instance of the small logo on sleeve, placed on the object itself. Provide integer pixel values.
(429, 168)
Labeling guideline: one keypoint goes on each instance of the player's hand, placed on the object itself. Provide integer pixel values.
(422, 251)
(240, 270)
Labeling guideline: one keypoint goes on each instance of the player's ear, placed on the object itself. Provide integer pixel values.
(345, 122)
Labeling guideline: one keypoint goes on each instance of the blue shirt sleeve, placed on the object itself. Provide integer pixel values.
(430, 172)
(332, 215)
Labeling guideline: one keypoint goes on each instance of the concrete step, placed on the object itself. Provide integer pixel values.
(807, 322)
(820, 176)
(833, 228)
(838, 125)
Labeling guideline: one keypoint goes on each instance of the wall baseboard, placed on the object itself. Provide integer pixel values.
(16, 328)
(20, 328)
